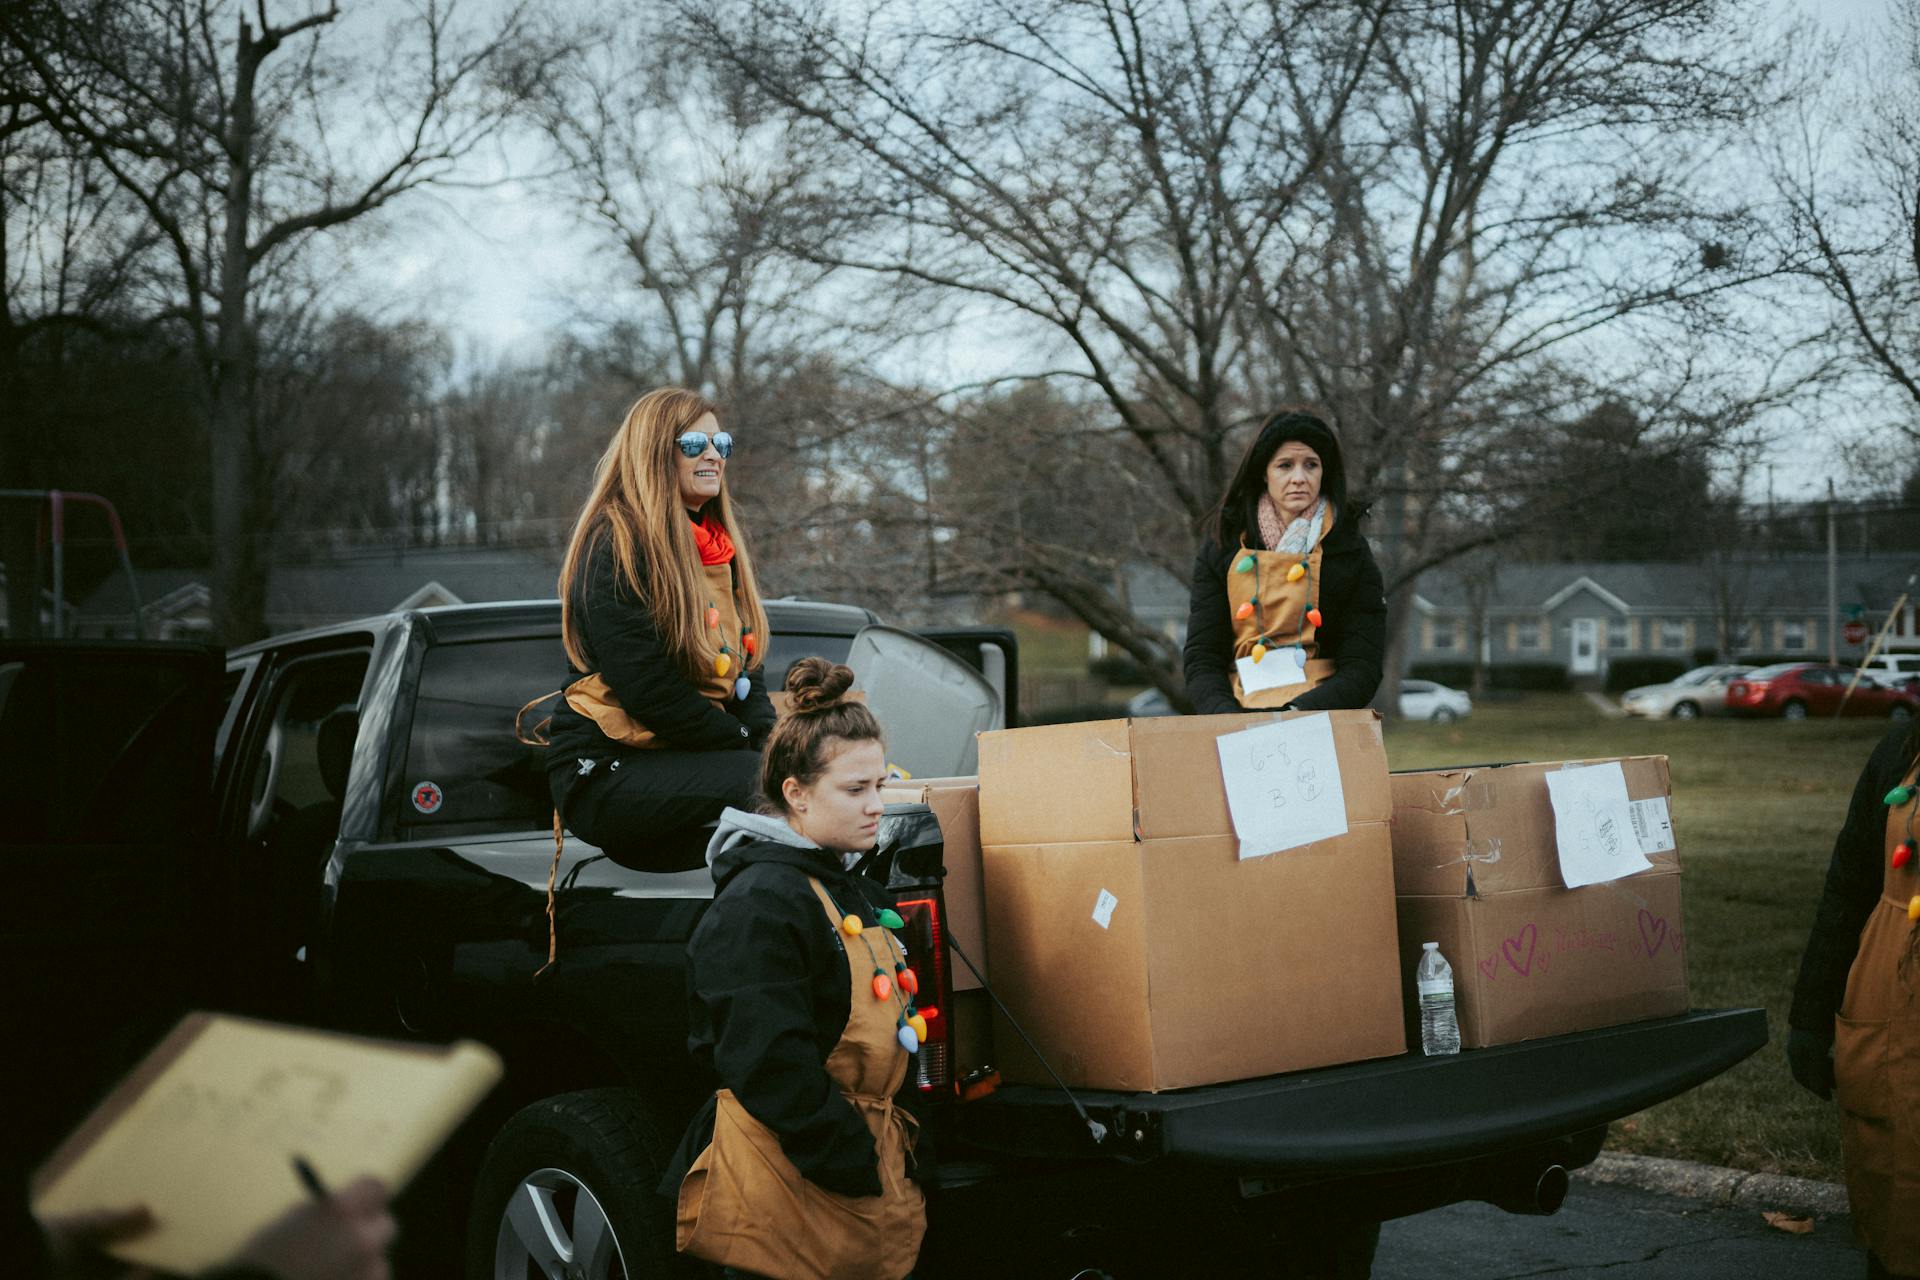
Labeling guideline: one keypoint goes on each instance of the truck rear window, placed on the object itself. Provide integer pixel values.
(464, 768)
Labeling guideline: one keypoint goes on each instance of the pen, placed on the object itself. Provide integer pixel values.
(309, 1179)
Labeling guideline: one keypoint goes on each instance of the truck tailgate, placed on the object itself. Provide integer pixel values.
(1391, 1113)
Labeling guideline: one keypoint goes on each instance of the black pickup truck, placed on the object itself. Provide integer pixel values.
(367, 846)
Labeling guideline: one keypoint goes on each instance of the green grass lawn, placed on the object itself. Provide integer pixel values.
(1756, 807)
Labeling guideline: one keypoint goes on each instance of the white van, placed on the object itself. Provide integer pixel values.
(1893, 668)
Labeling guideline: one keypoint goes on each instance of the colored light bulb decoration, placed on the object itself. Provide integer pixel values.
(722, 665)
(1245, 611)
(911, 1042)
(1313, 617)
(890, 918)
(850, 925)
(713, 617)
(1298, 571)
(1245, 565)
(882, 985)
(1899, 795)
(1913, 908)
(1903, 854)
(741, 688)
(919, 1025)
(1259, 652)
(908, 980)
(748, 643)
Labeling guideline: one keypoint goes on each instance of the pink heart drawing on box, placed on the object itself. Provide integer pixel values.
(1489, 966)
(1511, 948)
(1653, 931)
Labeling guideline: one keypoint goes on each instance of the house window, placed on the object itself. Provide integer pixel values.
(1443, 637)
(1793, 635)
(1619, 635)
(1528, 637)
(1670, 635)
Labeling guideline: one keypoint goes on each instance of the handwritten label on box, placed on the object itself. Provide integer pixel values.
(1593, 825)
(1283, 785)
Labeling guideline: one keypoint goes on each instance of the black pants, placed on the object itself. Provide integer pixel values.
(1877, 1270)
(645, 809)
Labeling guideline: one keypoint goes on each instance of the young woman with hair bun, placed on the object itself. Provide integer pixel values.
(664, 711)
(799, 1007)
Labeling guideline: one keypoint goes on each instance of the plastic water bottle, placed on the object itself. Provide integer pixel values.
(1439, 1028)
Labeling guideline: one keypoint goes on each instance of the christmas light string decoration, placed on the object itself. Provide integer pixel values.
(1302, 568)
(724, 662)
(1903, 853)
(910, 1027)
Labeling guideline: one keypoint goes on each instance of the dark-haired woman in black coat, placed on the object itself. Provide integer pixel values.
(1288, 609)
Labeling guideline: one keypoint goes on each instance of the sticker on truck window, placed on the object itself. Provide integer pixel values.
(1103, 908)
(427, 797)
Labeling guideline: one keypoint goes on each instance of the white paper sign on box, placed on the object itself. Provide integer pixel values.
(1278, 669)
(1283, 785)
(1593, 825)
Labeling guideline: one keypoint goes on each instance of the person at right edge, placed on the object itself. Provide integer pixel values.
(1288, 610)
(1854, 1028)
(802, 1006)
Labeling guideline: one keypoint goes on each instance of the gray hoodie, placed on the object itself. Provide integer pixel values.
(737, 826)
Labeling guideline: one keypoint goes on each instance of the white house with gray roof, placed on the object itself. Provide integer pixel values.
(1582, 616)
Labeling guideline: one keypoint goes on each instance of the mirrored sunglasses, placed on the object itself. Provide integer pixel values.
(694, 443)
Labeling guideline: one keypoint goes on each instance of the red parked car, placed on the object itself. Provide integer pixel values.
(1796, 690)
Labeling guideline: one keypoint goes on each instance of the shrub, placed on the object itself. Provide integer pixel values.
(1631, 673)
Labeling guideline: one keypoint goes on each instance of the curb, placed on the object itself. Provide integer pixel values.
(1726, 1188)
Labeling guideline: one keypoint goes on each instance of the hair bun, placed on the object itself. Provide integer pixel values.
(814, 684)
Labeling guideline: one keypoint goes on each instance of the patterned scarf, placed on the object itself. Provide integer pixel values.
(1297, 536)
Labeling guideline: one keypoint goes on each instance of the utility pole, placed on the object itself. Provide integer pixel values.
(1833, 580)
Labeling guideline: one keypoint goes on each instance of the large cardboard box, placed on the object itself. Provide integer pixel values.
(1134, 944)
(956, 806)
(1477, 870)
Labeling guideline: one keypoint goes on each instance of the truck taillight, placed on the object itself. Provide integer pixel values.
(927, 957)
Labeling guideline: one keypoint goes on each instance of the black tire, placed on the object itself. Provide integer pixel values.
(1900, 711)
(1794, 710)
(592, 1161)
(1685, 710)
(1443, 715)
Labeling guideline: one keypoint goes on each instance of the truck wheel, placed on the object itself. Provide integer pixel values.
(568, 1188)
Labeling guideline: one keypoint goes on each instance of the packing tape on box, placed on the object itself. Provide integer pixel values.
(1484, 851)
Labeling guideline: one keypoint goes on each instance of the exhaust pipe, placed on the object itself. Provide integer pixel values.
(1537, 1190)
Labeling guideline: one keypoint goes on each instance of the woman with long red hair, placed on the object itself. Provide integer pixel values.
(664, 710)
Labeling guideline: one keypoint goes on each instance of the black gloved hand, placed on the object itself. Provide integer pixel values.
(1810, 1057)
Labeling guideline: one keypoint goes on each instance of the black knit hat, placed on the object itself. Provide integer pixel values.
(1236, 510)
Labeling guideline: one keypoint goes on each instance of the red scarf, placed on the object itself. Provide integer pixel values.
(712, 540)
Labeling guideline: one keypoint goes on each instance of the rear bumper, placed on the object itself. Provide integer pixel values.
(1395, 1113)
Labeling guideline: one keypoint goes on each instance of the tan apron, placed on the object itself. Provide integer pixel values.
(1876, 1064)
(593, 698)
(744, 1205)
(1279, 617)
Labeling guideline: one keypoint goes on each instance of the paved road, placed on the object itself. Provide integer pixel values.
(1615, 1232)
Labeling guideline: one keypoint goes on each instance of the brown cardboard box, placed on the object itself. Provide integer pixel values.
(956, 805)
(1151, 779)
(1477, 870)
(1167, 961)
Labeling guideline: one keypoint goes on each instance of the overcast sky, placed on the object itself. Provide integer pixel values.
(502, 266)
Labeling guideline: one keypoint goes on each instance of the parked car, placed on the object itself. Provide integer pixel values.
(1796, 690)
(1425, 700)
(1700, 692)
(1893, 668)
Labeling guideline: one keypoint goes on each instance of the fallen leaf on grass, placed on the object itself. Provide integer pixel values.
(1787, 1222)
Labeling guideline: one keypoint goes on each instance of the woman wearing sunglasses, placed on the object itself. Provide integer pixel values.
(665, 711)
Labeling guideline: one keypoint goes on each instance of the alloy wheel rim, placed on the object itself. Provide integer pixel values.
(554, 1228)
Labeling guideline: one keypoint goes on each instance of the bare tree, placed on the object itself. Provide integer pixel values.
(242, 137)
(1425, 218)
(1850, 176)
